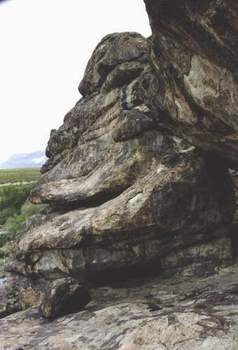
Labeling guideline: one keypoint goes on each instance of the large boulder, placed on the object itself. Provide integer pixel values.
(195, 55)
(125, 197)
(176, 204)
(136, 185)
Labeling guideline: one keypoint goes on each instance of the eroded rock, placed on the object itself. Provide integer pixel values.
(195, 55)
(125, 197)
(137, 184)
(64, 296)
(154, 314)
(139, 227)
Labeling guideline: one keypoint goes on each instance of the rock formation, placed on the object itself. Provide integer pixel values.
(158, 314)
(195, 55)
(125, 197)
(64, 296)
(138, 183)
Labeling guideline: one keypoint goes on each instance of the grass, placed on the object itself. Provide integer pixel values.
(18, 175)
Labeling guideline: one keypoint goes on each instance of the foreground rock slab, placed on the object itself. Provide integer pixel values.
(157, 314)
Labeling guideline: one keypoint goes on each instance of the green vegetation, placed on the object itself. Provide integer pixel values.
(14, 223)
(18, 175)
(11, 200)
(15, 187)
(15, 209)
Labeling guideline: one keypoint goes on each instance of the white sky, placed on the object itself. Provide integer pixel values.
(44, 49)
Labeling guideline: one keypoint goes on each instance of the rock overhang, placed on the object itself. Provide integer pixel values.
(136, 178)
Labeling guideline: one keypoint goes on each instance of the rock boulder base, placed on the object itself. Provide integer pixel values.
(64, 296)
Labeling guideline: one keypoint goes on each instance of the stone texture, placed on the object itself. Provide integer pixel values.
(125, 197)
(234, 229)
(152, 314)
(140, 226)
(63, 297)
(137, 184)
(195, 55)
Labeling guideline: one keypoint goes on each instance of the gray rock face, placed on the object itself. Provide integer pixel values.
(156, 314)
(115, 61)
(113, 83)
(125, 196)
(195, 56)
(137, 184)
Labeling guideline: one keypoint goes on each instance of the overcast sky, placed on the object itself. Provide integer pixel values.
(45, 46)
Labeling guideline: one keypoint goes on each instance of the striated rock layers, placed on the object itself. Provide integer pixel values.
(126, 197)
(138, 182)
(195, 56)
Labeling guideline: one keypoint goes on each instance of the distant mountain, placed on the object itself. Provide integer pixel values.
(25, 160)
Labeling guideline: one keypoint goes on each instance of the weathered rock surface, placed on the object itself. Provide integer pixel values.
(195, 56)
(157, 314)
(125, 197)
(63, 297)
(137, 183)
(140, 226)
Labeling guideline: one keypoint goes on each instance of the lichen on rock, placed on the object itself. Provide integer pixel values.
(138, 184)
(125, 196)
